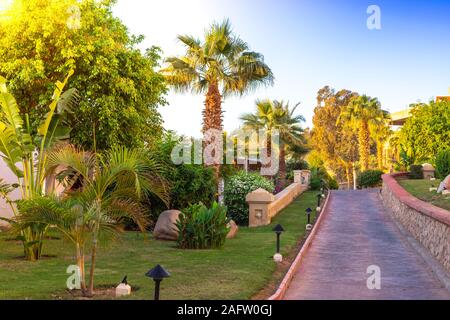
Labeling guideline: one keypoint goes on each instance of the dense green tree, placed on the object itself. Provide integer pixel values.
(426, 132)
(220, 65)
(40, 40)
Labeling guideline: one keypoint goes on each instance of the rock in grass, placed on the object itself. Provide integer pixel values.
(233, 229)
(165, 228)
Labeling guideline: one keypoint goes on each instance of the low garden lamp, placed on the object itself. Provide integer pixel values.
(157, 274)
(308, 213)
(278, 230)
(319, 197)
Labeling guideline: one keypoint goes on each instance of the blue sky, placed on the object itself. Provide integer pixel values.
(309, 44)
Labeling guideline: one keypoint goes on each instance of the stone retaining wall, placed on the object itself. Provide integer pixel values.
(428, 224)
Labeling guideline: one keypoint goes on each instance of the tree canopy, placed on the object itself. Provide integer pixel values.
(426, 132)
(40, 40)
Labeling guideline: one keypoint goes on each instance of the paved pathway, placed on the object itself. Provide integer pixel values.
(355, 234)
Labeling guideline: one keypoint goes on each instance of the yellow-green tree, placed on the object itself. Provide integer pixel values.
(41, 40)
(363, 112)
(334, 140)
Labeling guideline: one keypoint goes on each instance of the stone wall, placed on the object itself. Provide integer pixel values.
(263, 205)
(428, 224)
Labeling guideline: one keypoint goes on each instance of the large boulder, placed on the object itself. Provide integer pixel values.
(165, 228)
(233, 229)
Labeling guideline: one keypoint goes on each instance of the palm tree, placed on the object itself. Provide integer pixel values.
(109, 188)
(277, 115)
(381, 132)
(218, 66)
(363, 112)
(24, 152)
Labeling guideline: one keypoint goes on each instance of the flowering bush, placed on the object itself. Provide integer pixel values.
(236, 189)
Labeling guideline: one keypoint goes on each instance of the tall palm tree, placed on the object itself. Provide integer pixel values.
(363, 112)
(109, 187)
(381, 132)
(277, 115)
(220, 65)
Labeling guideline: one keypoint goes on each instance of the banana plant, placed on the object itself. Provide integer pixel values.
(24, 152)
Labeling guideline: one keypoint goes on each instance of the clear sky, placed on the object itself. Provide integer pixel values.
(309, 44)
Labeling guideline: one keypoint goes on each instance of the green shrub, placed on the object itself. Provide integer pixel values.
(415, 171)
(443, 164)
(236, 189)
(319, 174)
(315, 183)
(200, 227)
(192, 184)
(369, 178)
(332, 184)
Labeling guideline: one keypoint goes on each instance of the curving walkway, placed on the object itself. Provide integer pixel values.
(355, 234)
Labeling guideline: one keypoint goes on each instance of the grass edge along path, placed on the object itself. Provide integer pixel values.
(241, 270)
(421, 190)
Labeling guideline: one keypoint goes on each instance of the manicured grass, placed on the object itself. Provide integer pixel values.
(421, 189)
(238, 271)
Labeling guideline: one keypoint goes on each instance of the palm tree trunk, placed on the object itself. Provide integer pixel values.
(91, 274)
(282, 164)
(364, 145)
(347, 174)
(268, 153)
(80, 263)
(380, 154)
(213, 117)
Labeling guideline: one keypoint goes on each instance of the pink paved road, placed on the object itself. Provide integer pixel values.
(355, 234)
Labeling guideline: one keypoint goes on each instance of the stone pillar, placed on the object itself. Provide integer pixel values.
(258, 203)
(428, 171)
(297, 176)
(305, 176)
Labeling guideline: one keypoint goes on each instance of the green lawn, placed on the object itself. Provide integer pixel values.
(238, 271)
(421, 189)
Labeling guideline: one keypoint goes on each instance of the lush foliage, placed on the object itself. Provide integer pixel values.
(320, 177)
(236, 189)
(101, 190)
(19, 145)
(201, 227)
(442, 164)
(192, 184)
(187, 183)
(426, 132)
(415, 171)
(369, 178)
(41, 40)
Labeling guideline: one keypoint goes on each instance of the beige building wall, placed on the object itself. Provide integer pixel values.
(8, 177)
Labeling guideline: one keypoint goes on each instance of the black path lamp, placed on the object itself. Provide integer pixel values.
(157, 274)
(278, 230)
(308, 213)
